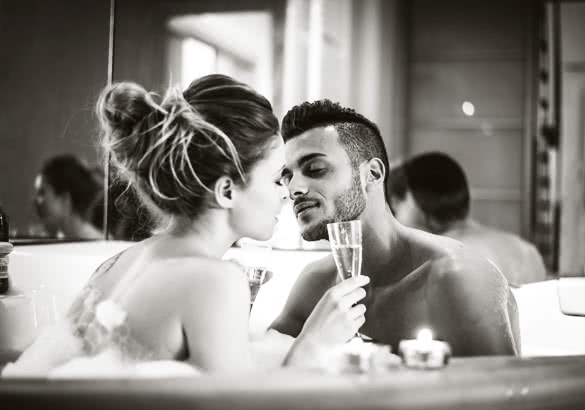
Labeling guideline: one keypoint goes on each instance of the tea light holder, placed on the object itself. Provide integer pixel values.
(424, 352)
(351, 357)
(358, 356)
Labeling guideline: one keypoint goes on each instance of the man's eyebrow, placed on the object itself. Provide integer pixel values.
(306, 158)
(303, 160)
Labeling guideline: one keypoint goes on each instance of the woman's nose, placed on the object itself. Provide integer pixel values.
(283, 194)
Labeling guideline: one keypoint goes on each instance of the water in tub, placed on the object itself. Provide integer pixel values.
(71, 356)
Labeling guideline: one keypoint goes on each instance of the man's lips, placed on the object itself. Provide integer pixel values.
(303, 206)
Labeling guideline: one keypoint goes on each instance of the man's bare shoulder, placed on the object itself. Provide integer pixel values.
(470, 303)
(463, 267)
(315, 278)
(320, 269)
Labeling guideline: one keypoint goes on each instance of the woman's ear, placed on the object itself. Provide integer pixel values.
(224, 192)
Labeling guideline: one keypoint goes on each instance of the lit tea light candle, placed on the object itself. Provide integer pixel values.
(424, 352)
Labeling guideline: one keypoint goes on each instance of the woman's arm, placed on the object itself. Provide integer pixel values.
(215, 319)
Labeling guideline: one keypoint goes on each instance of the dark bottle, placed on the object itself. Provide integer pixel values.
(5, 249)
(3, 226)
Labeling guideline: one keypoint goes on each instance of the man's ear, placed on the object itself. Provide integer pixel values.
(375, 172)
(224, 192)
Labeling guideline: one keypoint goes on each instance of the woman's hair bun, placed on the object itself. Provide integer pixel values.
(124, 105)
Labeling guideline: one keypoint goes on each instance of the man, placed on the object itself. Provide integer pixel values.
(336, 169)
(430, 192)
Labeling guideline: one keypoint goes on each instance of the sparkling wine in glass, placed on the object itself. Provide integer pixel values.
(256, 276)
(348, 259)
(345, 239)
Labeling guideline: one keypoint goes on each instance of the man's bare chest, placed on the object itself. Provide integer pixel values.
(396, 313)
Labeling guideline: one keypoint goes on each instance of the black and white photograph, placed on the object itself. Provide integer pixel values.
(292, 204)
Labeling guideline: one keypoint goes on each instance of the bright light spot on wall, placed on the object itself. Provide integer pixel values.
(198, 59)
(468, 108)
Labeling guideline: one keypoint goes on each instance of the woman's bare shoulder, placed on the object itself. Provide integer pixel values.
(200, 274)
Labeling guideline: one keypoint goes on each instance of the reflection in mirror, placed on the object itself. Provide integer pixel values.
(54, 64)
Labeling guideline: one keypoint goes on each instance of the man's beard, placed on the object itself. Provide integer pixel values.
(349, 205)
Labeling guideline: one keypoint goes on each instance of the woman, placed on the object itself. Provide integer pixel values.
(65, 193)
(207, 165)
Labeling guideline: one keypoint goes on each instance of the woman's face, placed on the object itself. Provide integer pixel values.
(50, 207)
(260, 200)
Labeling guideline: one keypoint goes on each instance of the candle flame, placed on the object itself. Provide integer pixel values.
(425, 335)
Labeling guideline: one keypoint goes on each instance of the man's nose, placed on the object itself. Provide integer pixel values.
(297, 187)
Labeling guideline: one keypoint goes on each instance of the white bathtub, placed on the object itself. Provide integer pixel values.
(47, 277)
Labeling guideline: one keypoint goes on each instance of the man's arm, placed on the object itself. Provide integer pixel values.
(469, 304)
(311, 284)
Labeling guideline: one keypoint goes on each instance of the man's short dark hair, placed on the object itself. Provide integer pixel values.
(359, 136)
(438, 185)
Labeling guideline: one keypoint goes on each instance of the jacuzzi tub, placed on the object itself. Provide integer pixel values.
(48, 277)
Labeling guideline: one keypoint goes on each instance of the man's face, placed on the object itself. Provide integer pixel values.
(321, 182)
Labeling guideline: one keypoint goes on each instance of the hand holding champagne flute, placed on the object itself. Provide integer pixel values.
(345, 239)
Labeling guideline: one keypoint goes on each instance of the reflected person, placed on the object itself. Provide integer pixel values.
(336, 170)
(207, 163)
(430, 192)
(66, 192)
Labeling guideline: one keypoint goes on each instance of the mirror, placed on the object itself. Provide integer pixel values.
(54, 63)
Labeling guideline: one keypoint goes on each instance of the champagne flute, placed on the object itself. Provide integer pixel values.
(345, 239)
(255, 259)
